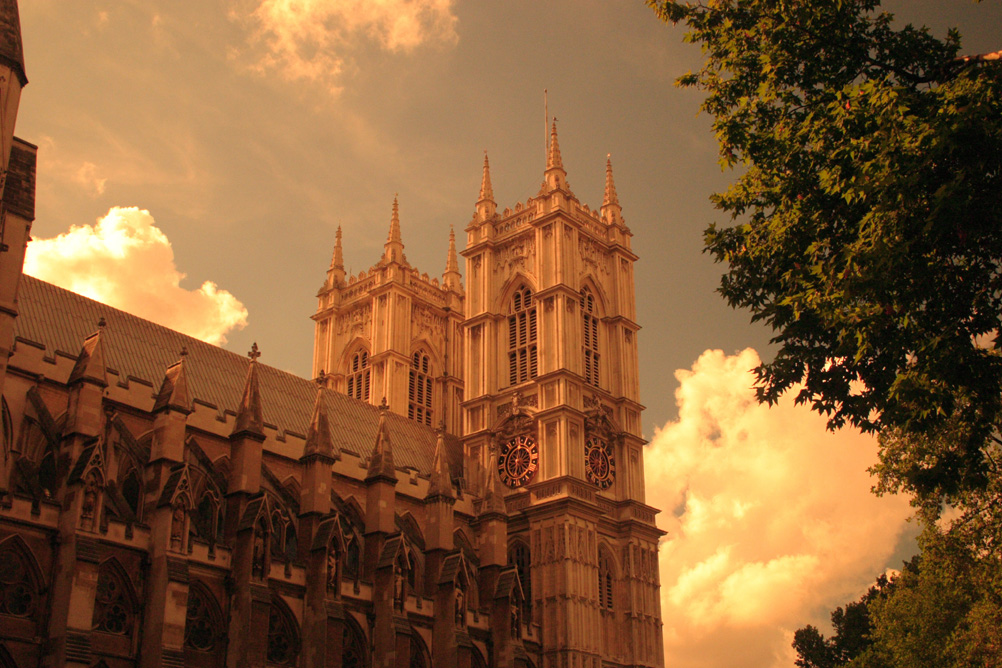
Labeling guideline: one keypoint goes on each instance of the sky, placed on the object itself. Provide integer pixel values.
(196, 157)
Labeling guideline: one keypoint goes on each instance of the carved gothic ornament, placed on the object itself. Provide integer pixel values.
(592, 255)
(426, 320)
(518, 254)
(354, 321)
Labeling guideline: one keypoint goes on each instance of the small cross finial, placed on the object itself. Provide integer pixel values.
(441, 426)
(321, 380)
(383, 406)
(184, 351)
(254, 352)
(101, 322)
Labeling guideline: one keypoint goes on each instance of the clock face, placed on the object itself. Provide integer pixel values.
(518, 461)
(600, 462)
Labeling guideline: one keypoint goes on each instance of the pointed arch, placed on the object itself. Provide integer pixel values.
(506, 295)
(284, 638)
(463, 543)
(353, 645)
(607, 577)
(21, 579)
(203, 627)
(520, 556)
(602, 302)
(354, 364)
(522, 335)
(410, 528)
(116, 603)
(420, 657)
(6, 660)
(420, 386)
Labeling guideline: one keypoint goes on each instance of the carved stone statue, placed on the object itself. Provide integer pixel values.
(515, 630)
(258, 559)
(460, 608)
(177, 527)
(399, 590)
(333, 571)
(89, 506)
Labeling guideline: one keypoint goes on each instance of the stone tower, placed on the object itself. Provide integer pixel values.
(392, 332)
(552, 411)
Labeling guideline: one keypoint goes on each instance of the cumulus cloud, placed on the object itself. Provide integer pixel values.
(312, 39)
(126, 261)
(770, 517)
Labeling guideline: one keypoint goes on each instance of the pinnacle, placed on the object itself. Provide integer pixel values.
(441, 479)
(337, 262)
(318, 438)
(250, 414)
(486, 190)
(553, 160)
(451, 262)
(611, 198)
(394, 247)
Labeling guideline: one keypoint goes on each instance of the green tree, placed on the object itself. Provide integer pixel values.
(852, 628)
(866, 217)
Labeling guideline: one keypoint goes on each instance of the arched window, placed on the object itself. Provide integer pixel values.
(352, 648)
(114, 609)
(521, 559)
(18, 588)
(201, 622)
(590, 330)
(605, 579)
(358, 376)
(522, 353)
(283, 636)
(419, 390)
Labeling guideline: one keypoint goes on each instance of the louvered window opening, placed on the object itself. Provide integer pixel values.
(358, 376)
(523, 357)
(419, 389)
(590, 327)
(604, 582)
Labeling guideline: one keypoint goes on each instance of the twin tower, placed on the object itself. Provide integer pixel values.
(534, 367)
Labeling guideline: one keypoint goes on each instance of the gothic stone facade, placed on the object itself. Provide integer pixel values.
(460, 485)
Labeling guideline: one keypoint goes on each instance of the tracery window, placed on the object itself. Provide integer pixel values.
(199, 626)
(351, 649)
(419, 389)
(17, 594)
(113, 607)
(522, 352)
(605, 579)
(358, 376)
(282, 638)
(590, 330)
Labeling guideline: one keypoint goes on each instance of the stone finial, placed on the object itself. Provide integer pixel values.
(318, 437)
(486, 190)
(441, 478)
(381, 461)
(250, 414)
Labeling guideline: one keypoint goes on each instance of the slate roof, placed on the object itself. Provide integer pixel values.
(135, 349)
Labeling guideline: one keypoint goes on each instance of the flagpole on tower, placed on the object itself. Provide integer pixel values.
(546, 128)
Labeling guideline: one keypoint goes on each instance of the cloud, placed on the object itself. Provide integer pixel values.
(312, 40)
(774, 523)
(125, 261)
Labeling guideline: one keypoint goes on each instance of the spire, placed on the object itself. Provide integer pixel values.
(381, 461)
(441, 478)
(90, 366)
(553, 160)
(250, 416)
(486, 191)
(555, 177)
(611, 211)
(173, 392)
(318, 437)
(486, 206)
(394, 247)
(451, 279)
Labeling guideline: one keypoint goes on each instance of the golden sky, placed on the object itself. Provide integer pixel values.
(196, 156)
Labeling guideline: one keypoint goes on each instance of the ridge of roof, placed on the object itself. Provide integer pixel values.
(57, 320)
